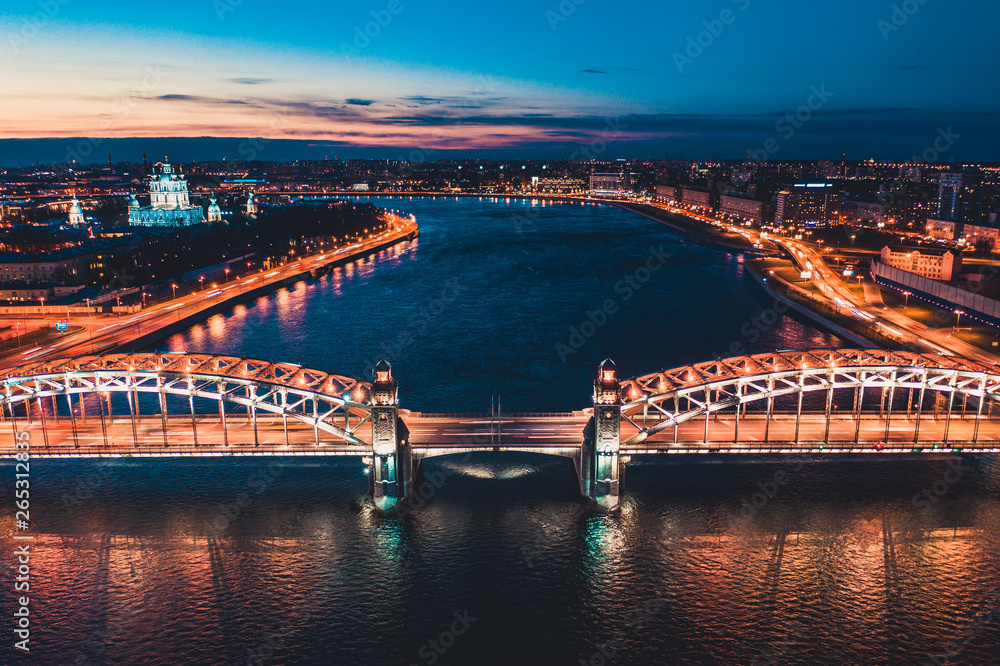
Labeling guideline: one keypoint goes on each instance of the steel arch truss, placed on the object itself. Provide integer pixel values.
(334, 404)
(726, 383)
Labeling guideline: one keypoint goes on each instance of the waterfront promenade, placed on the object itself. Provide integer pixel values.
(103, 332)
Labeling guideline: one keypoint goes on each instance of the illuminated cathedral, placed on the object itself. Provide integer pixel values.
(170, 205)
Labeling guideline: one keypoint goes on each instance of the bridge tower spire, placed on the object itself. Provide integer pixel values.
(600, 464)
(392, 460)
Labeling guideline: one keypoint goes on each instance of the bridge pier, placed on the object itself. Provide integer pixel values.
(600, 465)
(392, 458)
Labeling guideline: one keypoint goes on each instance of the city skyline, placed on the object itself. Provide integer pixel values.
(719, 82)
(537, 332)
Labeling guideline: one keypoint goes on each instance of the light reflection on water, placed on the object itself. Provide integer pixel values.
(306, 572)
(547, 581)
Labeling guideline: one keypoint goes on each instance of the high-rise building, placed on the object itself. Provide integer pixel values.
(972, 203)
(949, 195)
(912, 209)
(609, 184)
(807, 203)
(696, 198)
(746, 209)
(668, 194)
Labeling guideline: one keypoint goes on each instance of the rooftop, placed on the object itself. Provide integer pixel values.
(931, 251)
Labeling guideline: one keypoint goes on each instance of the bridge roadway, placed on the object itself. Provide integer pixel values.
(436, 435)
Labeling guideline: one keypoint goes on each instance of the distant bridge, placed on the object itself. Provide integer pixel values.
(809, 402)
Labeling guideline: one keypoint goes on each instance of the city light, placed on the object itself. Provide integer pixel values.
(695, 173)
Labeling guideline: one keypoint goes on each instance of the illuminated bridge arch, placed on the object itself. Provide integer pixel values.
(664, 400)
(330, 403)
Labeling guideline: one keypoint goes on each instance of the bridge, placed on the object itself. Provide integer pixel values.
(816, 402)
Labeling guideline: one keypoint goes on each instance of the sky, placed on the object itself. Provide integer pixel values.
(543, 79)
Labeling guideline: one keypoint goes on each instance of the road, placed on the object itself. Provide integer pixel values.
(432, 436)
(105, 333)
(896, 324)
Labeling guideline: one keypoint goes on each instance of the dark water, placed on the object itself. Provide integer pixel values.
(478, 305)
(156, 562)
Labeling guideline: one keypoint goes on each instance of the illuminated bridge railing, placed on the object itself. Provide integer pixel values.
(900, 383)
(336, 405)
(783, 402)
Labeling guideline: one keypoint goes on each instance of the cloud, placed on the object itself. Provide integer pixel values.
(423, 98)
(591, 70)
(249, 81)
(859, 111)
(174, 97)
(354, 101)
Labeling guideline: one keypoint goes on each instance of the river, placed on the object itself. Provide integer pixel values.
(503, 565)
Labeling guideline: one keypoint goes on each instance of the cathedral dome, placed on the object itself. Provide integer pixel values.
(76, 213)
(214, 212)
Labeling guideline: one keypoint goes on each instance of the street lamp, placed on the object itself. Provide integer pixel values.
(18, 330)
(906, 304)
(174, 287)
(958, 317)
(852, 239)
(202, 280)
(227, 273)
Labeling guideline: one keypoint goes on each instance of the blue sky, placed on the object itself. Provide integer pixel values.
(539, 78)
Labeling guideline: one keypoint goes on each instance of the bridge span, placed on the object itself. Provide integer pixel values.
(816, 402)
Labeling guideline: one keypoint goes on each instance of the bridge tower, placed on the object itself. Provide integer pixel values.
(599, 462)
(392, 460)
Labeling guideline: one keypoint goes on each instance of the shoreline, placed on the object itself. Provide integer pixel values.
(697, 233)
(692, 232)
(120, 342)
(815, 317)
(166, 331)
